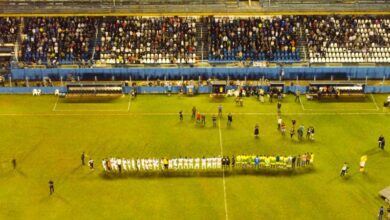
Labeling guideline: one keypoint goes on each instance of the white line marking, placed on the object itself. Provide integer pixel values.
(337, 110)
(170, 114)
(341, 109)
(91, 110)
(55, 105)
(128, 106)
(223, 171)
(303, 108)
(373, 99)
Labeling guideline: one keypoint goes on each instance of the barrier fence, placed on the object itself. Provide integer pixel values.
(250, 73)
(174, 89)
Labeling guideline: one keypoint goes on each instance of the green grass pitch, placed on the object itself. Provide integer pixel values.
(47, 137)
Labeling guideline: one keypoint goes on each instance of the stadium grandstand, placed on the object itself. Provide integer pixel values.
(201, 109)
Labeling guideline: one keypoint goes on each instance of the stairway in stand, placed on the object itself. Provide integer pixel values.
(303, 53)
(201, 37)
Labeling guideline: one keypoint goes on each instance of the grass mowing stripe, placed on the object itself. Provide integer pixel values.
(223, 169)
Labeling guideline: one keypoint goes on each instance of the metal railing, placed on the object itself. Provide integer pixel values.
(102, 3)
(335, 3)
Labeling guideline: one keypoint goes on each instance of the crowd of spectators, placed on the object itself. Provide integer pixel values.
(347, 38)
(253, 38)
(9, 28)
(174, 40)
(148, 40)
(58, 40)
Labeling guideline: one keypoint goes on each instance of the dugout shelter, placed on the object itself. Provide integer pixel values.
(218, 88)
(323, 90)
(93, 91)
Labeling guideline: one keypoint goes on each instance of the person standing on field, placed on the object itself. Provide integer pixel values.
(51, 186)
(230, 120)
(214, 118)
(14, 163)
(380, 213)
(220, 111)
(193, 113)
(381, 142)
(256, 131)
(83, 159)
(181, 115)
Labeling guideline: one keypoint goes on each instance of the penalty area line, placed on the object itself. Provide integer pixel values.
(374, 101)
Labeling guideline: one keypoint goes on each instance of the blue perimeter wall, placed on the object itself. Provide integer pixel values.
(174, 89)
(251, 73)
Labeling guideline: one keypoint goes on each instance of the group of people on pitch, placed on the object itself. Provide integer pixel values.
(205, 163)
(274, 161)
(156, 164)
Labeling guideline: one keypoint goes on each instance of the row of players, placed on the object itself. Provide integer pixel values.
(117, 165)
(275, 161)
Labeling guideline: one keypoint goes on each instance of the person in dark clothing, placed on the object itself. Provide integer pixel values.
(230, 119)
(214, 118)
(120, 168)
(51, 186)
(233, 161)
(293, 123)
(270, 96)
(293, 161)
(279, 107)
(297, 96)
(292, 132)
(256, 131)
(181, 115)
(299, 161)
(83, 159)
(193, 113)
(381, 213)
(14, 163)
(223, 162)
(227, 162)
(381, 142)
